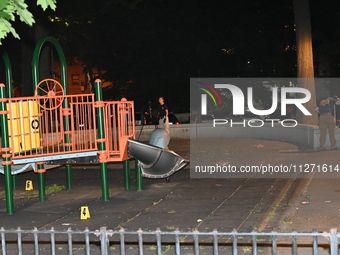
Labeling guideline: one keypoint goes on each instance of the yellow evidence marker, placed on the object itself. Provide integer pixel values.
(84, 213)
(29, 185)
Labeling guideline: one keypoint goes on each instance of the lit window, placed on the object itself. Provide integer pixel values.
(75, 79)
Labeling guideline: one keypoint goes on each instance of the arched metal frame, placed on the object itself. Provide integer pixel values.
(35, 79)
(62, 60)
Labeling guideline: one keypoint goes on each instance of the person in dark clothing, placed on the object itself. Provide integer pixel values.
(163, 114)
(326, 121)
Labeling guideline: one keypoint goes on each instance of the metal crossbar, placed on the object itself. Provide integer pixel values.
(105, 241)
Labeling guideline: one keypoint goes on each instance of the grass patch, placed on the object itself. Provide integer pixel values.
(152, 248)
(247, 249)
(287, 219)
(270, 215)
(54, 188)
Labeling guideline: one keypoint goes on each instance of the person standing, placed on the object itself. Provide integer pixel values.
(326, 122)
(163, 114)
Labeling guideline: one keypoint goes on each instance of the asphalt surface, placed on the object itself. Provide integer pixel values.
(302, 203)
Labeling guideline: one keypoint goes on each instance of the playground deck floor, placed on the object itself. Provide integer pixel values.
(183, 202)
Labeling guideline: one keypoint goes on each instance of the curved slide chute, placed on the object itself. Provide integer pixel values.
(155, 162)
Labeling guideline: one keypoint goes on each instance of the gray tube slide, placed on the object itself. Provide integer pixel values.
(155, 162)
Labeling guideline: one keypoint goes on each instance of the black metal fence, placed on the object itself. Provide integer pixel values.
(105, 241)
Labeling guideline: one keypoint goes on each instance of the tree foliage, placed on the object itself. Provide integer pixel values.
(9, 9)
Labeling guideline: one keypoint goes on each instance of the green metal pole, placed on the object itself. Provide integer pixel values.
(101, 137)
(104, 179)
(41, 183)
(6, 151)
(14, 181)
(126, 165)
(62, 60)
(139, 178)
(69, 183)
(63, 69)
(9, 85)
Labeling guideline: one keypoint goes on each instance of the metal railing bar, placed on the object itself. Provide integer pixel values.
(294, 244)
(334, 241)
(140, 241)
(3, 241)
(69, 239)
(36, 241)
(52, 241)
(178, 244)
(215, 240)
(19, 242)
(315, 245)
(158, 241)
(104, 241)
(254, 244)
(323, 234)
(234, 242)
(87, 241)
(274, 244)
(113, 232)
(35, 237)
(196, 243)
(122, 242)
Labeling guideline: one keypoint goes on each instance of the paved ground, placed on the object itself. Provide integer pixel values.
(246, 204)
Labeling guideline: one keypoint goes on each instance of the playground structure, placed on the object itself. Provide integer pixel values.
(52, 128)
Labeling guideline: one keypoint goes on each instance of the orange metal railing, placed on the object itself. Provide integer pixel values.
(40, 126)
(119, 127)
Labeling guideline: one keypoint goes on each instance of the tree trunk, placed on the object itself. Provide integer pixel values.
(305, 66)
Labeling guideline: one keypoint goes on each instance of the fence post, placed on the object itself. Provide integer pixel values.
(315, 243)
(104, 241)
(177, 241)
(254, 243)
(334, 241)
(234, 232)
(140, 241)
(274, 243)
(159, 241)
(215, 241)
(196, 242)
(122, 241)
(294, 243)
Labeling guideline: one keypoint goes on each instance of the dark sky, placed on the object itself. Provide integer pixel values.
(159, 45)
